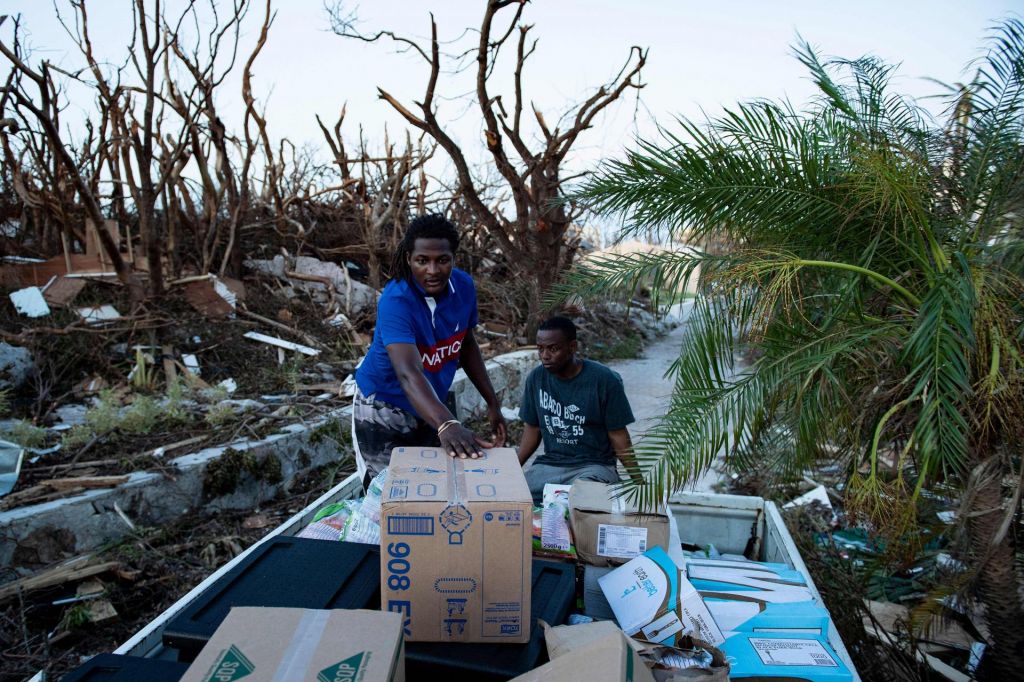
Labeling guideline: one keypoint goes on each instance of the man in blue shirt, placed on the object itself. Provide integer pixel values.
(424, 333)
(579, 409)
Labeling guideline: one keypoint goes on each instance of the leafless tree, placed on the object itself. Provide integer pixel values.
(155, 116)
(382, 189)
(532, 236)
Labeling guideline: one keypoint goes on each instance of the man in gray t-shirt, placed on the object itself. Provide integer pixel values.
(580, 410)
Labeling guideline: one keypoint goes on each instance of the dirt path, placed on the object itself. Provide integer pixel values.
(649, 390)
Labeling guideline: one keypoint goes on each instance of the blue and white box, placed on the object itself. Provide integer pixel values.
(783, 656)
(807, 617)
(748, 581)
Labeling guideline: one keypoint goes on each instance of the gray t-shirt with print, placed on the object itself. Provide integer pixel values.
(575, 415)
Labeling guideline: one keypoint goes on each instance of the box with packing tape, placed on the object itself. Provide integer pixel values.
(302, 645)
(456, 546)
(652, 600)
(610, 530)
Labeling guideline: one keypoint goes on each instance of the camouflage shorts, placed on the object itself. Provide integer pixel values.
(379, 427)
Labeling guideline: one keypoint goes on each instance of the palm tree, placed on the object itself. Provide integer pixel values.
(876, 274)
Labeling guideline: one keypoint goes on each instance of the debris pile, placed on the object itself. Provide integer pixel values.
(897, 598)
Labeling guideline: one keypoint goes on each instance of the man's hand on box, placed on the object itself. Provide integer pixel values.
(458, 441)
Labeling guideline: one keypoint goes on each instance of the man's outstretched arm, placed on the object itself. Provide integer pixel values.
(528, 445)
(623, 446)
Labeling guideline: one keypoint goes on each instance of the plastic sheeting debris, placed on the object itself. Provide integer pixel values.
(30, 302)
(11, 455)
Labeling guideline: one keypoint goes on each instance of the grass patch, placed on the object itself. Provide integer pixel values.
(224, 474)
(25, 434)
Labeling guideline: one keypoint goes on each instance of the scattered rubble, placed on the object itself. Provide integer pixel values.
(16, 366)
(30, 302)
(48, 620)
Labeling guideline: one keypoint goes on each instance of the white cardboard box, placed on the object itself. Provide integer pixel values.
(653, 601)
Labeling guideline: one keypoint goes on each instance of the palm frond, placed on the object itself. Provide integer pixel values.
(669, 274)
(993, 128)
(938, 355)
(759, 169)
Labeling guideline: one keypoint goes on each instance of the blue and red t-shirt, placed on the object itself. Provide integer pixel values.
(405, 314)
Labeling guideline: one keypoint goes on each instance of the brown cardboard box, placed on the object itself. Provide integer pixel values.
(456, 546)
(302, 645)
(597, 656)
(610, 531)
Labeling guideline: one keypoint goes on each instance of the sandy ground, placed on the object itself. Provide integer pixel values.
(649, 390)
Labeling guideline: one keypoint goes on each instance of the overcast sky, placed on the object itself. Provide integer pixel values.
(703, 56)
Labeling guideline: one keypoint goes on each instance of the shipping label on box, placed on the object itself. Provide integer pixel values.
(302, 645)
(456, 546)
(610, 530)
(652, 600)
(789, 656)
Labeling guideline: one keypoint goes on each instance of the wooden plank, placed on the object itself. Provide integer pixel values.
(63, 291)
(281, 343)
(167, 356)
(38, 274)
(93, 247)
(77, 570)
(202, 296)
(332, 386)
(87, 482)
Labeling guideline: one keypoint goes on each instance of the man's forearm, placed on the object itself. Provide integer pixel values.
(528, 445)
(622, 444)
(423, 398)
(630, 464)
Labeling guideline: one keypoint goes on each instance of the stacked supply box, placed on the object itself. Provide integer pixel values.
(772, 624)
(456, 546)
(777, 583)
(756, 596)
(753, 596)
(609, 530)
(302, 645)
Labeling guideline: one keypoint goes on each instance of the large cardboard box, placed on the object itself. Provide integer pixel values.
(456, 546)
(776, 656)
(610, 530)
(302, 645)
(606, 658)
(653, 601)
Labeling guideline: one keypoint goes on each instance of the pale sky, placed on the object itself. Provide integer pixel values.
(703, 56)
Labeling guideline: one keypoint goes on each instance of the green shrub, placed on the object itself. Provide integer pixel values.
(25, 433)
